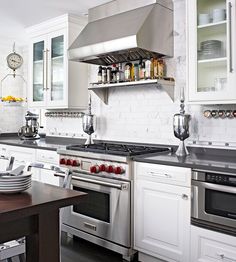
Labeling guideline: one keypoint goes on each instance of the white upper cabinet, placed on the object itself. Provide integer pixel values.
(211, 51)
(55, 82)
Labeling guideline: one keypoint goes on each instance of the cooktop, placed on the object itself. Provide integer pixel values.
(118, 149)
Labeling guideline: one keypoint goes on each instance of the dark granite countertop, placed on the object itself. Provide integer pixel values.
(221, 160)
(48, 143)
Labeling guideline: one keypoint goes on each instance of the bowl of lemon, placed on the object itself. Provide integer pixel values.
(12, 100)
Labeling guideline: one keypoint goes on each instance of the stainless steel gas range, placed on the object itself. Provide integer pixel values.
(104, 171)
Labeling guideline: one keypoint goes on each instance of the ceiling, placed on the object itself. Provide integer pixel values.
(15, 15)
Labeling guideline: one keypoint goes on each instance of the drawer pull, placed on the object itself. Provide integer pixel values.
(223, 256)
(160, 175)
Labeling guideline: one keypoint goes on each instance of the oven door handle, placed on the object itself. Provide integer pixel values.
(216, 187)
(123, 186)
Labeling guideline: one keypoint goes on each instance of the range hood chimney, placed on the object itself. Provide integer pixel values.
(140, 33)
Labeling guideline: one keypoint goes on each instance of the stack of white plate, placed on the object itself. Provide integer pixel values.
(15, 184)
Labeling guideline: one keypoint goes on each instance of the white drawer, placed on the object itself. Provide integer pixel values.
(3, 150)
(163, 174)
(207, 245)
(47, 156)
(22, 155)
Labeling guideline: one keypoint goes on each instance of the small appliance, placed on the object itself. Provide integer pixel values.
(213, 201)
(30, 130)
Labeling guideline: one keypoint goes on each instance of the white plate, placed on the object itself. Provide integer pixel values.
(15, 190)
(15, 185)
(10, 183)
(16, 178)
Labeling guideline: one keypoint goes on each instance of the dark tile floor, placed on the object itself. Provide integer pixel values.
(78, 250)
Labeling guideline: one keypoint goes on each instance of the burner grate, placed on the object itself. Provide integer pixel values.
(118, 149)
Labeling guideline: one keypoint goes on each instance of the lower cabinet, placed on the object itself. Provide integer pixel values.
(22, 155)
(210, 246)
(161, 214)
(51, 158)
(25, 156)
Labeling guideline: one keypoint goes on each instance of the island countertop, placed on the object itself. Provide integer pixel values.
(35, 215)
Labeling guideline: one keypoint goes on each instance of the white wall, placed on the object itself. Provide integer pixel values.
(11, 117)
(144, 114)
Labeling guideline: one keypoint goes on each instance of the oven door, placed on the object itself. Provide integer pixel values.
(214, 203)
(106, 210)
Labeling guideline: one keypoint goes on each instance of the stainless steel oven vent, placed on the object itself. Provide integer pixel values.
(140, 33)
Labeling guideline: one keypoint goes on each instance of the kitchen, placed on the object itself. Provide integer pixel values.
(145, 201)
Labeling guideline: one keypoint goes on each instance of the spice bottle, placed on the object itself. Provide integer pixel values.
(161, 68)
(120, 77)
(141, 69)
(155, 68)
(109, 75)
(104, 75)
(128, 68)
(114, 73)
(148, 69)
(136, 72)
(100, 74)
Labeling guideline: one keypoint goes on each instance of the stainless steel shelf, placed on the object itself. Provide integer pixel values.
(102, 90)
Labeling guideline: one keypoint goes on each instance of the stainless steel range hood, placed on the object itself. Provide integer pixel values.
(139, 33)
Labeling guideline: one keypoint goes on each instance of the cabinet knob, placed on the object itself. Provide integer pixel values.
(185, 197)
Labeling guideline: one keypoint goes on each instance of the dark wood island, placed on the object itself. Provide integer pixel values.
(35, 215)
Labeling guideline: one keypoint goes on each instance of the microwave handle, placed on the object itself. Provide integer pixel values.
(100, 183)
(216, 187)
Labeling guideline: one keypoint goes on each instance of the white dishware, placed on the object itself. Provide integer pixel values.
(203, 19)
(220, 83)
(14, 184)
(218, 15)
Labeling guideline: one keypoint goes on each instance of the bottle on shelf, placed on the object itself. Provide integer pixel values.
(100, 74)
(161, 68)
(109, 75)
(120, 77)
(132, 72)
(104, 75)
(128, 68)
(141, 69)
(152, 69)
(136, 72)
(114, 73)
(155, 68)
(148, 69)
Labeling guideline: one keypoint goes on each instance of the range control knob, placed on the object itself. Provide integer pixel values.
(102, 168)
(62, 161)
(94, 169)
(68, 162)
(75, 163)
(110, 169)
(119, 170)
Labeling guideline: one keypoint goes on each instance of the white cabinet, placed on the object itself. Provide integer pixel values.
(51, 158)
(25, 156)
(211, 51)
(162, 212)
(55, 82)
(210, 246)
(22, 155)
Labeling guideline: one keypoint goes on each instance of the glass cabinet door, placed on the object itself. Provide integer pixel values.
(38, 71)
(57, 68)
(212, 72)
(212, 46)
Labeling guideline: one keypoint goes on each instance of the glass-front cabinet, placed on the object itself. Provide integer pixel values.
(211, 51)
(54, 81)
